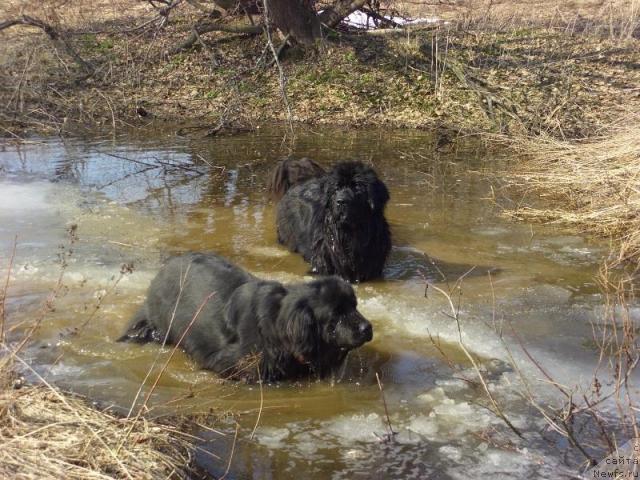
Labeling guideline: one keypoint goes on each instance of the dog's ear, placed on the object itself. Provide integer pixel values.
(290, 172)
(300, 328)
(279, 181)
(378, 195)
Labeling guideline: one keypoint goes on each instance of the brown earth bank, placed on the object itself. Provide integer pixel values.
(484, 67)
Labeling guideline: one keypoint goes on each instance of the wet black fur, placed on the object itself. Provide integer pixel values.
(336, 220)
(294, 330)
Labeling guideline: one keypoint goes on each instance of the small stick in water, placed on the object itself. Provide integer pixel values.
(388, 437)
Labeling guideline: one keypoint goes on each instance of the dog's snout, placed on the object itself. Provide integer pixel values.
(343, 197)
(366, 330)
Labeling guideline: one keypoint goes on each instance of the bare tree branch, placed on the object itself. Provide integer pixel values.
(59, 41)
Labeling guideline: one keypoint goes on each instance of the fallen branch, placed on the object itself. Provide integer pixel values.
(333, 15)
(208, 26)
(480, 87)
(399, 31)
(390, 435)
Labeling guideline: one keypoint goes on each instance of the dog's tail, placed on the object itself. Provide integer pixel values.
(290, 172)
(139, 329)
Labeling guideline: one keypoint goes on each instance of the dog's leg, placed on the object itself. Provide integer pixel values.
(139, 329)
(229, 363)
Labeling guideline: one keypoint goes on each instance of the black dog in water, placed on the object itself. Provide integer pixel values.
(225, 318)
(334, 219)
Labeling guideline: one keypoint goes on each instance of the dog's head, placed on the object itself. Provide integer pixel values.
(354, 192)
(321, 317)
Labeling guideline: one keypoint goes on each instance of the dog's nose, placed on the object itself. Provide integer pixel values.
(343, 197)
(366, 331)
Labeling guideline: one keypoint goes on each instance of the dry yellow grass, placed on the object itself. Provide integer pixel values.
(46, 433)
(593, 185)
(76, 13)
(615, 19)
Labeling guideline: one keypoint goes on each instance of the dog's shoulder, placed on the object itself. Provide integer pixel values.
(213, 265)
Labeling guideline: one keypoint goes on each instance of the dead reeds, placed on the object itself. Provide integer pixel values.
(46, 433)
(615, 20)
(593, 185)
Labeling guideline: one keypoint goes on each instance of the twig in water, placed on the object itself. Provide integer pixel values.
(121, 157)
(389, 436)
(233, 448)
(261, 402)
(173, 351)
(125, 269)
(536, 363)
(49, 302)
(496, 408)
(182, 281)
(3, 293)
(121, 243)
(164, 367)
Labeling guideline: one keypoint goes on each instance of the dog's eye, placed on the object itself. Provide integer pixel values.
(341, 311)
(344, 311)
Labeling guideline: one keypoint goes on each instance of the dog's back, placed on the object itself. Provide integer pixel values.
(290, 172)
(187, 285)
(297, 214)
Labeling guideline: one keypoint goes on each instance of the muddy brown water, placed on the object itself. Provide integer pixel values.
(142, 196)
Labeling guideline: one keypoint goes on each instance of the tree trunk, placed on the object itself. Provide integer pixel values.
(295, 18)
(298, 18)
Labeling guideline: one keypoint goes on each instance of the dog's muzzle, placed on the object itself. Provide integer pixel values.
(364, 330)
(342, 204)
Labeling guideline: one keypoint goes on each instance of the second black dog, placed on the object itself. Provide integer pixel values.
(238, 325)
(334, 219)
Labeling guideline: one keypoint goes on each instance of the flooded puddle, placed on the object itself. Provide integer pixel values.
(139, 198)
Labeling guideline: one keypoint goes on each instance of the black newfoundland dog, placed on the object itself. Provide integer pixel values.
(334, 219)
(244, 325)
